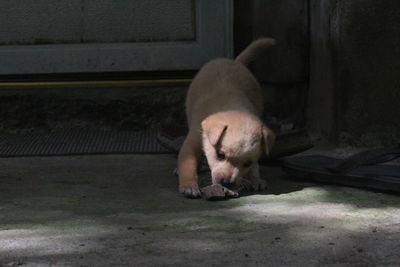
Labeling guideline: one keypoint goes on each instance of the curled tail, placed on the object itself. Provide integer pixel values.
(253, 50)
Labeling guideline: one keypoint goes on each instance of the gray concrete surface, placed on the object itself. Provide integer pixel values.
(121, 210)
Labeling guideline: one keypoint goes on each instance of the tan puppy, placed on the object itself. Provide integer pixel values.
(223, 106)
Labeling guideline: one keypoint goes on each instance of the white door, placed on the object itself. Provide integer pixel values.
(70, 36)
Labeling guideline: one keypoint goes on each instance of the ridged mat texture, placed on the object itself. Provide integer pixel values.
(79, 142)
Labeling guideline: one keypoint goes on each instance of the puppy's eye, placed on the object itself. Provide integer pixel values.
(221, 155)
(247, 164)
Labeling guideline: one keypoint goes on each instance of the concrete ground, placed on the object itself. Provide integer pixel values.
(117, 210)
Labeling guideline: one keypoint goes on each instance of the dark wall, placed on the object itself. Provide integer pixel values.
(283, 69)
(354, 96)
(369, 70)
(287, 22)
(335, 68)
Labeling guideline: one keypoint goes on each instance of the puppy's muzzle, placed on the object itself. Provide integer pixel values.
(225, 182)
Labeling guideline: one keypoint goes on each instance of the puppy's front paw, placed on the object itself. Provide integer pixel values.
(259, 185)
(190, 191)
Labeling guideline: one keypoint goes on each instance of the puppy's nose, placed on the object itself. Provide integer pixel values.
(226, 182)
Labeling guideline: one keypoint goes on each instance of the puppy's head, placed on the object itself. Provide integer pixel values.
(232, 143)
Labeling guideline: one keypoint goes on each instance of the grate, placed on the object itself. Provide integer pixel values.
(79, 142)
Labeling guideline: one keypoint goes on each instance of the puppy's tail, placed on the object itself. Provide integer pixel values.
(253, 50)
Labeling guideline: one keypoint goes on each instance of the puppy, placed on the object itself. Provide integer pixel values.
(223, 105)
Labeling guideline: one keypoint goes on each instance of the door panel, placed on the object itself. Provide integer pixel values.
(46, 36)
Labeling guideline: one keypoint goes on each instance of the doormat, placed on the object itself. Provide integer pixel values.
(80, 142)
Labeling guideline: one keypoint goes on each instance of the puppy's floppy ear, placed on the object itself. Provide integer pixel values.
(214, 130)
(268, 139)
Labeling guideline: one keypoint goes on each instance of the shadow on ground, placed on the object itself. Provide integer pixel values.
(125, 210)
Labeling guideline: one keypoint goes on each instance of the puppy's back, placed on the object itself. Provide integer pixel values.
(223, 84)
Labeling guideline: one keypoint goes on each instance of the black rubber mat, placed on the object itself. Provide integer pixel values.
(79, 142)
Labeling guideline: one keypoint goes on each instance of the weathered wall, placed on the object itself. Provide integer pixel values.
(287, 22)
(283, 72)
(354, 96)
(369, 70)
(322, 93)
(337, 59)
(283, 69)
(100, 108)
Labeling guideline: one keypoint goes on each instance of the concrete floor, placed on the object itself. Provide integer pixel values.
(118, 210)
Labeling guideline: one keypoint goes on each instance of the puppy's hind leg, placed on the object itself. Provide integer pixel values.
(257, 183)
(188, 161)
